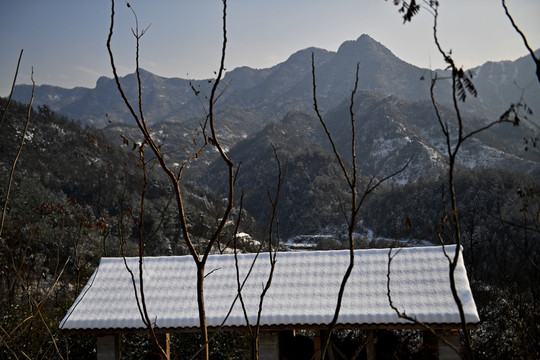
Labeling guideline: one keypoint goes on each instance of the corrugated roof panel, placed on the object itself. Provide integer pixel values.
(304, 290)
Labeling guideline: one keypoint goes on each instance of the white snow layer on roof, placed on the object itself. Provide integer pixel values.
(304, 290)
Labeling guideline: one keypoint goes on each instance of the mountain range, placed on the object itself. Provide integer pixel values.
(396, 121)
(266, 94)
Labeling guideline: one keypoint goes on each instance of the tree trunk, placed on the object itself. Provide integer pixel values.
(205, 355)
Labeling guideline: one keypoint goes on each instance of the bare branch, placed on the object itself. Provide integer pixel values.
(4, 113)
(12, 172)
(524, 38)
(323, 123)
(403, 315)
(272, 253)
(224, 156)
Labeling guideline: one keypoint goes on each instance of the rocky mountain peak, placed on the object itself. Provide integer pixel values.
(362, 47)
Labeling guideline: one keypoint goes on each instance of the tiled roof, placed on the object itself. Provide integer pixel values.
(303, 292)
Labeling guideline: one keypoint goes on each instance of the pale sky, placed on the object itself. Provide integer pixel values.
(64, 40)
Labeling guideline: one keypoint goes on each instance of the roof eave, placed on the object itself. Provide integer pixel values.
(389, 326)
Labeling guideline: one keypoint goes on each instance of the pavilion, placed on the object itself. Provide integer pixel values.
(302, 295)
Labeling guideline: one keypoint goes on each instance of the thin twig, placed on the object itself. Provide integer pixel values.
(12, 172)
(403, 315)
(4, 113)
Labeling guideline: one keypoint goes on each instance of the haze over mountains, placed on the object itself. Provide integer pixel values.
(395, 116)
(269, 93)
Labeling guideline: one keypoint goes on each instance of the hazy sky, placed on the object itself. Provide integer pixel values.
(64, 40)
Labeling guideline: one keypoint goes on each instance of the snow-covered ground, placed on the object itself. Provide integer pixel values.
(310, 242)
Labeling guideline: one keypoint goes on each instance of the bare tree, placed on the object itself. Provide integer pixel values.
(358, 192)
(272, 232)
(455, 136)
(175, 178)
(139, 222)
(461, 86)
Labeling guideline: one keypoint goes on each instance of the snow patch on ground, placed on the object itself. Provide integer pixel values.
(434, 155)
(385, 147)
(310, 242)
(28, 136)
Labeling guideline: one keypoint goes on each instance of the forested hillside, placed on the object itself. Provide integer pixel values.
(76, 197)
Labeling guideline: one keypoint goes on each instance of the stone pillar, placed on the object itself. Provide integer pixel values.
(445, 351)
(317, 345)
(108, 347)
(370, 345)
(268, 346)
(164, 340)
(431, 344)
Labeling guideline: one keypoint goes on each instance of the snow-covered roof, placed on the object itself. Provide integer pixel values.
(303, 292)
